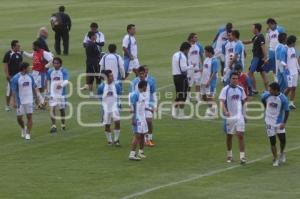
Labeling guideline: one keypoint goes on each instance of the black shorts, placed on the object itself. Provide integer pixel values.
(93, 68)
(181, 87)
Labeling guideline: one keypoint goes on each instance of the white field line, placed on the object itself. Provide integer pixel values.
(200, 176)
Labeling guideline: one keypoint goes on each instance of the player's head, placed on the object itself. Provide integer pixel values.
(192, 38)
(57, 63)
(229, 35)
(142, 86)
(291, 41)
(209, 51)
(92, 35)
(112, 48)
(36, 45)
(228, 26)
(146, 69)
(256, 28)
(24, 67)
(274, 88)
(235, 34)
(238, 69)
(61, 8)
(282, 37)
(142, 73)
(271, 23)
(94, 27)
(109, 75)
(185, 47)
(131, 29)
(43, 32)
(234, 79)
(15, 46)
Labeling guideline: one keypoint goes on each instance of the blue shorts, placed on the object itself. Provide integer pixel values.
(271, 66)
(256, 65)
(282, 80)
(126, 64)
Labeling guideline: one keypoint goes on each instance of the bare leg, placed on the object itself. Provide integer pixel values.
(265, 79)
(29, 123)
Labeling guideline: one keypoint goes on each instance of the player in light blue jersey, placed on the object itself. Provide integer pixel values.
(58, 79)
(276, 116)
(281, 59)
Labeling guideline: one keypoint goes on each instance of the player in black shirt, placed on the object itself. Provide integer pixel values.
(259, 56)
(11, 63)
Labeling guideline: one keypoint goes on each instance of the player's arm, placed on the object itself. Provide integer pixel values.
(49, 58)
(246, 42)
(126, 52)
(121, 66)
(5, 68)
(223, 108)
(27, 54)
(102, 40)
(264, 50)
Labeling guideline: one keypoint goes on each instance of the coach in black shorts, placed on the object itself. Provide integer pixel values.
(92, 62)
(179, 71)
(259, 56)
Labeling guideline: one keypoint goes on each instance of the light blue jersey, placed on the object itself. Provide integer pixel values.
(57, 77)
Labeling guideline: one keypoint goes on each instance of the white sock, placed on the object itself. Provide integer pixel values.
(53, 126)
(291, 102)
(108, 136)
(242, 155)
(132, 153)
(141, 151)
(40, 98)
(150, 136)
(91, 93)
(117, 135)
(229, 153)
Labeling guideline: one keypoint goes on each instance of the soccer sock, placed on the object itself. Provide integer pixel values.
(40, 98)
(141, 151)
(229, 153)
(108, 136)
(150, 136)
(53, 126)
(63, 125)
(117, 135)
(242, 155)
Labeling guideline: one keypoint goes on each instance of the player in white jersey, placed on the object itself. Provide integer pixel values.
(228, 48)
(109, 93)
(218, 41)
(232, 100)
(209, 81)
(58, 79)
(195, 58)
(276, 116)
(23, 90)
(139, 107)
(293, 70)
(114, 62)
(131, 62)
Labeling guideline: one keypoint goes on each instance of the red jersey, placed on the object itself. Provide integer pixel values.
(38, 62)
(243, 82)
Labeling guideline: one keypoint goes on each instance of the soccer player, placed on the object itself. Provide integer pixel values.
(218, 41)
(109, 93)
(293, 70)
(11, 64)
(228, 50)
(58, 79)
(139, 107)
(232, 100)
(209, 80)
(131, 62)
(259, 59)
(23, 89)
(281, 56)
(150, 97)
(195, 58)
(114, 62)
(276, 116)
(273, 32)
(244, 80)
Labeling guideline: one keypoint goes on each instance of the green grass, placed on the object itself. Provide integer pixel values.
(78, 164)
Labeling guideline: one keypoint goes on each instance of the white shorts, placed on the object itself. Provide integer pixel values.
(219, 55)
(58, 102)
(194, 78)
(149, 114)
(109, 117)
(39, 79)
(24, 109)
(292, 80)
(210, 90)
(134, 64)
(231, 126)
(140, 127)
(273, 130)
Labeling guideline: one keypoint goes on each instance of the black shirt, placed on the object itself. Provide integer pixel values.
(66, 21)
(43, 44)
(258, 40)
(92, 53)
(13, 59)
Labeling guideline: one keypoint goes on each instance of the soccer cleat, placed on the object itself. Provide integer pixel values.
(23, 133)
(7, 108)
(292, 106)
(27, 136)
(134, 158)
(63, 127)
(229, 159)
(243, 161)
(141, 155)
(275, 163)
(53, 129)
(282, 158)
(109, 143)
(255, 92)
(117, 143)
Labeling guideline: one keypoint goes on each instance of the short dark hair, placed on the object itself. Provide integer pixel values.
(57, 59)
(291, 39)
(228, 26)
(236, 34)
(13, 43)
(257, 26)
(274, 86)
(90, 34)
(142, 84)
(141, 69)
(233, 73)
(37, 44)
(129, 26)
(209, 49)
(271, 21)
(282, 37)
(185, 46)
(61, 8)
(94, 25)
(112, 48)
(238, 67)
(191, 35)
(23, 66)
(107, 72)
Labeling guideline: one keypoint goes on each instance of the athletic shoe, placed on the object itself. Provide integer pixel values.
(229, 159)
(243, 161)
(141, 155)
(109, 143)
(53, 129)
(282, 158)
(255, 92)
(7, 108)
(63, 128)
(275, 163)
(135, 158)
(27, 136)
(117, 143)
(292, 106)
(23, 133)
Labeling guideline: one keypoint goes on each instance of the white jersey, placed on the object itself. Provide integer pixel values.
(210, 66)
(115, 63)
(292, 61)
(222, 37)
(99, 38)
(109, 96)
(229, 51)
(58, 78)
(272, 37)
(23, 85)
(194, 57)
(129, 42)
(138, 101)
(234, 98)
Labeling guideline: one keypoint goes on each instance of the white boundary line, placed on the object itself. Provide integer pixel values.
(200, 176)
